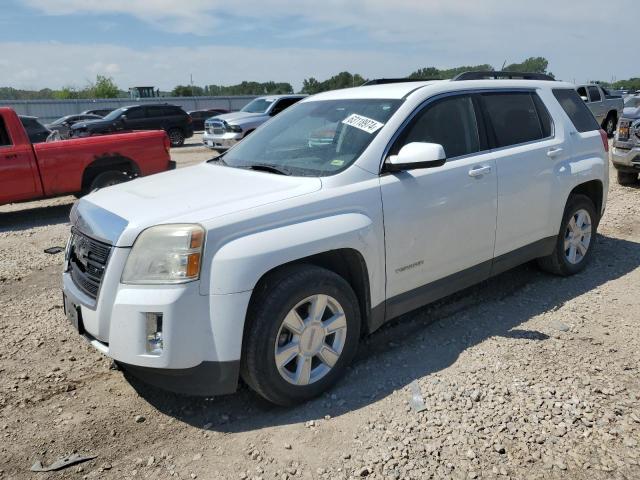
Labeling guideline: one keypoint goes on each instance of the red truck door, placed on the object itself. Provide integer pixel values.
(18, 178)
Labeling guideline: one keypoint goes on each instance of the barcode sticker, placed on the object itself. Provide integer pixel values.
(363, 123)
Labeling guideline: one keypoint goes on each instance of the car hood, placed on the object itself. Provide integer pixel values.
(195, 194)
(90, 123)
(239, 117)
(631, 113)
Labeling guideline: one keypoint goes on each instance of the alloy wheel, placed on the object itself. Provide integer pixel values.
(577, 237)
(310, 340)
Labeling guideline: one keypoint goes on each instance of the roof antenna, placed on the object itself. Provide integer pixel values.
(503, 65)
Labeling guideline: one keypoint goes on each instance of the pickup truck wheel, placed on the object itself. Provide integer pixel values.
(106, 179)
(302, 333)
(627, 178)
(176, 137)
(575, 242)
(610, 125)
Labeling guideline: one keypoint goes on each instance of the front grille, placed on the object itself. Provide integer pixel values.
(87, 262)
(215, 128)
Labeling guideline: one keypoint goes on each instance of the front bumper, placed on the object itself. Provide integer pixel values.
(206, 379)
(626, 159)
(199, 356)
(222, 141)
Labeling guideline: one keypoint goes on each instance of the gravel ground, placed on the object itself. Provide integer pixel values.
(524, 376)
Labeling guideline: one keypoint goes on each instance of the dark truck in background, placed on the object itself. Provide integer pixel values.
(170, 118)
(30, 171)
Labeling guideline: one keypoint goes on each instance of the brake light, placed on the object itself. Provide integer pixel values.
(189, 119)
(167, 143)
(605, 140)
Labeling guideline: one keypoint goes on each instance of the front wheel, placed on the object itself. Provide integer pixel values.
(303, 331)
(575, 242)
(627, 178)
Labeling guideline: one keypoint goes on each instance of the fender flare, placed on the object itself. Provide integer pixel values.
(239, 264)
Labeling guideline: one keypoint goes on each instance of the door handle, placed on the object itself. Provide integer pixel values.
(554, 152)
(480, 171)
(9, 156)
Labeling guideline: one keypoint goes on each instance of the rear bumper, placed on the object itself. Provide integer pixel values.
(206, 379)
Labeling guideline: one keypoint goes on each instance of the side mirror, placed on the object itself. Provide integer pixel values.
(123, 118)
(584, 99)
(417, 155)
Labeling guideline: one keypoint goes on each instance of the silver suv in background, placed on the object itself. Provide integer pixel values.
(224, 131)
(605, 107)
(625, 154)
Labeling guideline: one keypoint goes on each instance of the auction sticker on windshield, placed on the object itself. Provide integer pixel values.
(365, 124)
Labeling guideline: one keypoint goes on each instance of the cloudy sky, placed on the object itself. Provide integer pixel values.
(52, 43)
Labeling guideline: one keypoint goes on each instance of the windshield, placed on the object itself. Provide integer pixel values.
(314, 138)
(115, 114)
(259, 105)
(60, 121)
(633, 102)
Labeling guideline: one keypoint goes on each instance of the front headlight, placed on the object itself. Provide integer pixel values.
(165, 254)
(234, 128)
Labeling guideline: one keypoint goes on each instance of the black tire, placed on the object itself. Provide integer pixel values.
(176, 137)
(627, 178)
(106, 179)
(248, 133)
(273, 299)
(557, 263)
(610, 124)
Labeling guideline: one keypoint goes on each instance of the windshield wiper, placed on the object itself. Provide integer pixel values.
(218, 160)
(268, 168)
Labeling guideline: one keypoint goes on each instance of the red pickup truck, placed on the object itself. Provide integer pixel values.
(32, 171)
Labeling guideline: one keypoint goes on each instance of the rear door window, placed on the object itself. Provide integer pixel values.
(545, 117)
(5, 140)
(594, 94)
(514, 118)
(134, 113)
(284, 103)
(577, 111)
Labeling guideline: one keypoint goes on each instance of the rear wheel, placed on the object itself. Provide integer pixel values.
(303, 331)
(610, 125)
(627, 178)
(576, 239)
(106, 179)
(176, 137)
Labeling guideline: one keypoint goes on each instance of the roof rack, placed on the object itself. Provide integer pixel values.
(488, 75)
(384, 81)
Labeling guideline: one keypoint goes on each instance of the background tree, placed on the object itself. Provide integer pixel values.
(66, 93)
(104, 87)
(531, 64)
(433, 73)
(633, 84)
(341, 80)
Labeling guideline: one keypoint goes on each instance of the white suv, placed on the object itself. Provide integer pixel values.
(346, 210)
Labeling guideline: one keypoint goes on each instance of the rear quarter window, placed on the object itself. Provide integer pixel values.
(576, 110)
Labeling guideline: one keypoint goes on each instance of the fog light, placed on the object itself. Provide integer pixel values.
(154, 333)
